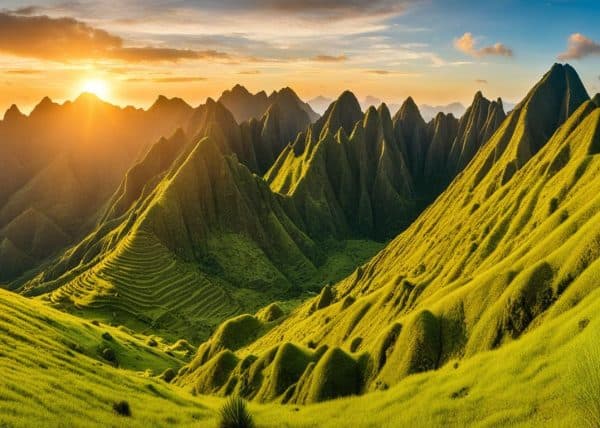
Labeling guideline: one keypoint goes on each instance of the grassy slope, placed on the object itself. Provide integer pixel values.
(45, 353)
(533, 381)
(206, 244)
(501, 257)
(530, 382)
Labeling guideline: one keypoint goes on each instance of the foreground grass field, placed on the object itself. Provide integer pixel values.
(53, 374)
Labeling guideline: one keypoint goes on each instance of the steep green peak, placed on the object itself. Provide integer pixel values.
(286, 92)
(596, 100)
(13, 113)
(344, 113)
(560, 85)
(409, 112)
(384, 112)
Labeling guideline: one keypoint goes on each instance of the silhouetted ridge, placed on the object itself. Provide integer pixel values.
(13, 114)
(596, 100)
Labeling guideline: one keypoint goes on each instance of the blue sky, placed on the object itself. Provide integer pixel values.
(437, 51)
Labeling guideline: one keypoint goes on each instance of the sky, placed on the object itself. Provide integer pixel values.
(437, 51)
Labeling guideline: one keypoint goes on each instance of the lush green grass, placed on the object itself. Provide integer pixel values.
(53, 374)
(493, 258)
(530, 382)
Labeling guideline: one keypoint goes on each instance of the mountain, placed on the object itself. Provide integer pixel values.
(596, 100)
(192, 214)
(245, 106)
(352, 179)
(57, 176)
(505, 255)
(355, 174)
(429, 112)
(319, 104)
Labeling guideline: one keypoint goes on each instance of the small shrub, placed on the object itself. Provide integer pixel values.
(168, 375)
(109, 355)
(107, 336)
(235, 414)
(151, 342)
(122, 408)
(553, 205)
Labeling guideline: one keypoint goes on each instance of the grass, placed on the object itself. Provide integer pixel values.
(586, 374)
(460, 282)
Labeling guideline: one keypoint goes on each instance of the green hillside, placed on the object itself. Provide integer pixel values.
(206, 241)
(483, 311)
(507, 249)
(533, 381)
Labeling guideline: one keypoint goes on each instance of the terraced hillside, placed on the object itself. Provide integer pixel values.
(205, 240)
(509, 247)
(230, 243)
(142, 280)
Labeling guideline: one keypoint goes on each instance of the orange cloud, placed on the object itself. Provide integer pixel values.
(466, 44)
(579, 47)
(330, 58)
(67, 39)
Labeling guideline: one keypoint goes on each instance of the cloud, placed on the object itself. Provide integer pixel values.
(67, 39)
(380, 72)
(466, 44)
(179, 79)
(25, 71)
(249, 72)
(327, 9)
(330, 58)
(579, 46)
(482, 81)
(149, 53)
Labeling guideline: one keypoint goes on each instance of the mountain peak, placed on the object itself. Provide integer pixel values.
(239, 90)
(164, 102)
(44, 105)
(344, 112)
(409, 112)
(13, 113)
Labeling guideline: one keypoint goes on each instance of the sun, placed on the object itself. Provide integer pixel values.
(98, 87)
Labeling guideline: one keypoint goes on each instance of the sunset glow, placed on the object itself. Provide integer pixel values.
(97, 87)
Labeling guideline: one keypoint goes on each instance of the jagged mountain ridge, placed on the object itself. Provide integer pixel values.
(203, 220)
(493, 258)
(371, 174)
(61, 174)
(362, 164)
(246, 106)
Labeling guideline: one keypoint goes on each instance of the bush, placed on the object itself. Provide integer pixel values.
(122, 408)
(109, 355)
(235, 414)
(106, 336)
(587, 376)
(168, 375)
